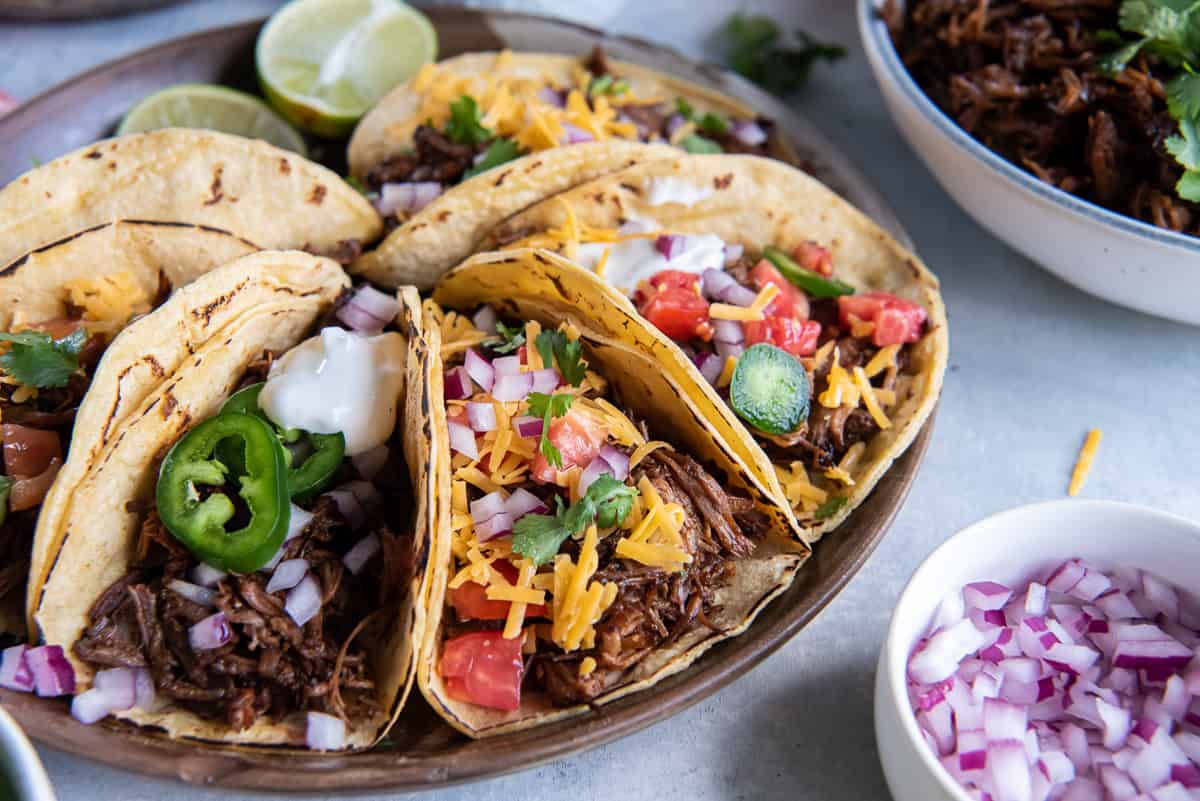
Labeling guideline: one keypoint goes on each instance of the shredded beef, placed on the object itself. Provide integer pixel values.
(434, 158)
(1021, 76)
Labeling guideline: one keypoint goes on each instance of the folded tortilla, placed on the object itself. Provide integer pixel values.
(754, 202)
(444, 232)
(254, 190)
(666, 403)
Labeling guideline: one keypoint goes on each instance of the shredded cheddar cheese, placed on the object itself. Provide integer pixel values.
(1083, 464)
(745, 314)
(726, 376)
(602, 263)
(656, 540)
(870, 400)
(644, 450)
(885, 358)
(578, 605)
(109, 301)
(587, 666)
(799, 490)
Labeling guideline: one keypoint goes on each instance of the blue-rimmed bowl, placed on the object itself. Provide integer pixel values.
(1109, 255)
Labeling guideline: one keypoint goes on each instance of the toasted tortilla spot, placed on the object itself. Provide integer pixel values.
(501, 177)
(95, 154)
(723, 181)
(285, 168)
(317, 195)
(215, 190)
(443, 215)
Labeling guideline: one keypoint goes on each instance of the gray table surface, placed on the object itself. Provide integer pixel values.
(1034, 364)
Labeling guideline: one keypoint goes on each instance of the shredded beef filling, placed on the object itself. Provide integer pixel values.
(271, 667)
(1021, 77)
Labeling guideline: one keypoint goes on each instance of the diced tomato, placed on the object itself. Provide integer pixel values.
(28, 451)
(28, 493)
(675, 279)
(523, 354)
(58, 327)
(484, 668)
(470, 600)
(896, 320)
(790, 302)
(797, 337)
(812, 256)
(679, 313)
(577, 439)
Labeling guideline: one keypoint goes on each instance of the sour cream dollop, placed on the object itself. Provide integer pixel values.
(339, 382)
(636, 260)
(669, 189)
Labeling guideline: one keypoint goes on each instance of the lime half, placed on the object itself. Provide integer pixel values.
(199, 105)
(324, 63)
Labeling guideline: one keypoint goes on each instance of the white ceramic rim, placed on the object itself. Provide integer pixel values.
(876, 39)
(897, 652)
(25, 769)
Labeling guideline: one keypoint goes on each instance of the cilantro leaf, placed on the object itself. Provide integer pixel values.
(539, 537)
(700, 145)
(755, 51)
(613, 500)
(714, 124)
(1188, 187)
(5, 487)
(607, 85)
(36, 360)
(498, 152)
(511, 339)
(549, 407)
(1183, 96)
(606, 503)
(684, 108)
(465, 126)
(556, 346)
(1112, 63)
(830, 508)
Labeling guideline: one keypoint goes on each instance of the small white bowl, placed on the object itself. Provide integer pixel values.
(1109, 255)
(1010, 547)
(19, 764)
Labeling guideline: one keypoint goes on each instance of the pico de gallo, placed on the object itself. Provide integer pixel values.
(580, 544)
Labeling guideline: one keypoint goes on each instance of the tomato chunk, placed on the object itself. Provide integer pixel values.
(470, 600)
(679, 313)
(897, 321)
(28, 451)
(484, 668)
(790, 302)
(812, 256)
(577, 439)
(675, 279)
(797, 337)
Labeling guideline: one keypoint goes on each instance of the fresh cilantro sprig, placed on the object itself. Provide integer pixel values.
(607, 85)
(830, 508)
(755, 50)
(511, 338)
(465, 125)
(498, 152)
(549, 407)
(709, 123)
(36, 360)
(606, 503)
(556, 346)
(1170, 29)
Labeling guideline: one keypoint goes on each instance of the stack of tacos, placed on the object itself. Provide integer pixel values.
(253, 500)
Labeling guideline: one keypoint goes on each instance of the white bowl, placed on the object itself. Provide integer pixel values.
(1109, 255)
(19, 764)
(1009, 547)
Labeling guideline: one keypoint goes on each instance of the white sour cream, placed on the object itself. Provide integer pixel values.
(339, 382)
(637, 260)
(669, 189)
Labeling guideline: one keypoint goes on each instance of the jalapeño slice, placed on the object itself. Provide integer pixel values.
(807, 280)
(770, 389)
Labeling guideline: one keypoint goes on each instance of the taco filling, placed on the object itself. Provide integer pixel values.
(271, 541)
(580, 544)
(807, 363)
(472, 123)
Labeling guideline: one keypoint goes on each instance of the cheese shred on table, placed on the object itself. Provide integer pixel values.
(1084, 463)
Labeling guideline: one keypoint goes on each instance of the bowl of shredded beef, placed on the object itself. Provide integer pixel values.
(1007, 106)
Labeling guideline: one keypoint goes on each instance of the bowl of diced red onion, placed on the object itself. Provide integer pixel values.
(1048, 653)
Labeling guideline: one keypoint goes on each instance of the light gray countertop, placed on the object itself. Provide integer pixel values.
(1034, 364)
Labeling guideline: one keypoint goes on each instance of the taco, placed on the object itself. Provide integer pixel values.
(238, 563)
(592, 535)
(254, 190)
(822, 341)
(60, 306)
(469, 115)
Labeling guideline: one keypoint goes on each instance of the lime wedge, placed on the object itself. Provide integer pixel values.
(324, 63)
(199, 105)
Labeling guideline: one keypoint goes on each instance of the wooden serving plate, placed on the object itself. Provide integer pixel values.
(422, 752)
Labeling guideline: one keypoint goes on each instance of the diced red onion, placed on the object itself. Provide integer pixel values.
(574, 135)
(206, 575)
(726, 350)
(544, 381)
(618, 461)
(287, 574)
(91, 706)
(120, 685)
(1035, 599)
(1065, 577)
(487, 507)
(670, 245)
(749, 132)
(1161, 595)
(368, 310)
(728, 332)
(299, 519)
(714, 282)
(595, 468)
(507, 365)
(362, 552)
(733, 252)
(408, 196)
(738, 295)
(14, 672)
(486, 319)
(52, 673)
(211, 632)
(528, 427)
(709, 365)
(512, 387)
(1143, 654)
(481, 416)
(457, 384)
(144, 692)
(497, 526)
(986, 595)
(1008, 769)
(552, 96)
(523, 502)
(945, 649)
(673, 124)
(462, 439)
(325, 732)
(369, 463)
(304, 600)
(1091, 586)
(1056, 766)
(480, 369)
(193, 592)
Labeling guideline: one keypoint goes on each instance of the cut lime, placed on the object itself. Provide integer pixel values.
(324, 63)
(199, 105)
